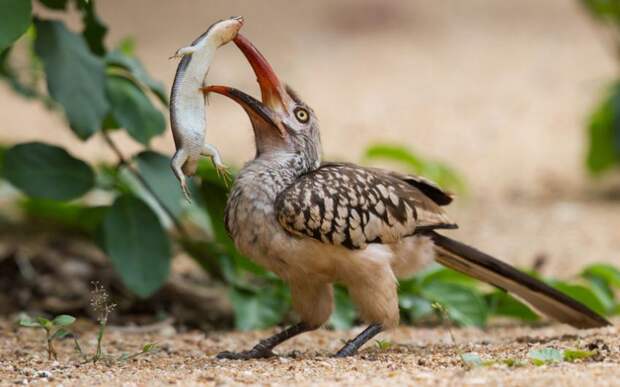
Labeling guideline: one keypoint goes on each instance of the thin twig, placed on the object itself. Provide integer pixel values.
(123, 161)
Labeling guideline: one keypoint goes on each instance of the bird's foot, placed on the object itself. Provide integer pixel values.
(345, 352)
(351, 347)
(254, 353)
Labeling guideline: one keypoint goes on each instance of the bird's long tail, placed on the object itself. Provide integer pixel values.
(542, 297)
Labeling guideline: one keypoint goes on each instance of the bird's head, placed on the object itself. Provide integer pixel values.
(283, 124)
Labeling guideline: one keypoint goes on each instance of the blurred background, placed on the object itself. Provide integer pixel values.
(501, 93)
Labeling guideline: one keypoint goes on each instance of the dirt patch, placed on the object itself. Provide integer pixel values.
(420, 356)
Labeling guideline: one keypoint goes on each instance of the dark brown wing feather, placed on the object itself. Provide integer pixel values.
(428, 188)
(348, 205)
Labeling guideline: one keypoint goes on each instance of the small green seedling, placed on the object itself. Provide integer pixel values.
(149, 347)
(442, 313)
(551, 355)
(545, 356)
(54, 329)
(471, 359)
(383, 345)
(572, 355)
(100, 303)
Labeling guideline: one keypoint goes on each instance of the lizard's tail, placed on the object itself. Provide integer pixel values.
(542, 297)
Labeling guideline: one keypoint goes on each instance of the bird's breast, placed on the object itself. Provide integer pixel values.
(252, 224)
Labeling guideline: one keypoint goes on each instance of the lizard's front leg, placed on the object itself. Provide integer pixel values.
(181, 52)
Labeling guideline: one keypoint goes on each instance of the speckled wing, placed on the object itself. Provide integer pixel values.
(352, 206)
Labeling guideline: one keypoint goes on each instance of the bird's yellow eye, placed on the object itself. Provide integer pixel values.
(302, 115)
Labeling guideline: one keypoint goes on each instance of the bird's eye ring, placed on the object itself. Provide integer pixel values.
(302, 115)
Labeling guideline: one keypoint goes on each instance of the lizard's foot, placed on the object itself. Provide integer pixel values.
(181, 52)
(223, 173)
(185, 189)
(254, 353)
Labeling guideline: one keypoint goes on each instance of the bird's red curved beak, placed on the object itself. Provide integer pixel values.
(273, 93)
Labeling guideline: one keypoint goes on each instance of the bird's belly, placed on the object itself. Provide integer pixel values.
(259, 236)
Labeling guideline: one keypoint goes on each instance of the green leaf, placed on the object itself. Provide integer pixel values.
(121, 58)
(15, 17)
(464, 305)
(45, 323)
(609, 273)
(24, 87)
(94, 29)
(133, 110)
(69, 215)
(435, 171)
(213, 198)
(63, 320)
(503, 304)
(395, 153)
(2, 154)
(75, 77)
(471, 359)
(148, 347)
(436, 272)
(55, 4)
(383, 345)
(344, 314)
(127, 46)
(604, 9)
(577, 354)
(155, 168)
(211, 258)
(603, 130)
(28, 322)
(414, 307)
(47, 171)
(603, 292)
(259, 310)
(60, 334)
(545, 356)
(137, 245)
(582, 294)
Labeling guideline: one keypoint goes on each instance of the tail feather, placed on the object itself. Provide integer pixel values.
(540, 296)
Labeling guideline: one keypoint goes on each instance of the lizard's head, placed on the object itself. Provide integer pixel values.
(282, 122)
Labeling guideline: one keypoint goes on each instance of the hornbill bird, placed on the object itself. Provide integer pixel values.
(317, 223)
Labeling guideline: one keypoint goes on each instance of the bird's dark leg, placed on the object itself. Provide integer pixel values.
(264, 347)
(353, 345)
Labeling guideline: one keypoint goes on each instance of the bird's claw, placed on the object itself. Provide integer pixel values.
(246, 355)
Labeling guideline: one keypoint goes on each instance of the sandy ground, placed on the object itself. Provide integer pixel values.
(419, 356)
(498, 89)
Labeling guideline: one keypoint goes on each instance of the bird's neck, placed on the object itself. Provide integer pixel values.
(273, 172)
(252, 198)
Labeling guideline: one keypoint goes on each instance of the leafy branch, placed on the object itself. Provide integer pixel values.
(124, 162)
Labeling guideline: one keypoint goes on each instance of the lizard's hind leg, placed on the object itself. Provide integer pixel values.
(177, 162)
